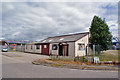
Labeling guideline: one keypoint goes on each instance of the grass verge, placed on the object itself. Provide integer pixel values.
(69, 64)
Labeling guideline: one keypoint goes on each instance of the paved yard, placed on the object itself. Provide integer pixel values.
(24, 57)
(18, 65)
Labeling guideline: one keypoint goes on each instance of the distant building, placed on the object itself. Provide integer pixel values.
(66, 45)
(17, 45)
(115, 44)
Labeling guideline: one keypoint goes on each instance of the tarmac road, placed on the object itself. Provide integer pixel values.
(20, 68)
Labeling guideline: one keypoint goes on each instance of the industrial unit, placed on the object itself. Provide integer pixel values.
(66, 45)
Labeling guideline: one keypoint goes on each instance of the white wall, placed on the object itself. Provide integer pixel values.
(33, 50)
(54, 52)
(71, 49)
(29, 48)
(83, 40)
(38, 50)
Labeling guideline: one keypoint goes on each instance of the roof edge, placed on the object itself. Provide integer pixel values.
(83, 36)
(69, 35)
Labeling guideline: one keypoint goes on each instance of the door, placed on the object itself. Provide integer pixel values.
(45, 49)
(60, 49)
(65, 50)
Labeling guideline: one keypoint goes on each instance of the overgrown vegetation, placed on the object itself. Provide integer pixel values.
(60, 58)
(82, 59)
(109, 55)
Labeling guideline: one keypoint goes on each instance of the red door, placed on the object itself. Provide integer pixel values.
(45, 49)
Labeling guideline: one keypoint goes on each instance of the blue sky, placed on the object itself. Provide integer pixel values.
(38, 20)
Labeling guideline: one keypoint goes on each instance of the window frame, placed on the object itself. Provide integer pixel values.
(37, 47)
(53, 46)
(79, 44)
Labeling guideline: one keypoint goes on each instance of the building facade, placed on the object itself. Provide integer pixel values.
(66, 45)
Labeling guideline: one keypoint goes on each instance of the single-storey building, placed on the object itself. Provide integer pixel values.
(33, 47)
(66, 45)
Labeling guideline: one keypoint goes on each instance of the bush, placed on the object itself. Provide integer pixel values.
(82, 59)
(60, 58)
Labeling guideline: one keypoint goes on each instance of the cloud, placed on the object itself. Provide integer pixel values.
(36, 21)
(59, 0)
(113, 26)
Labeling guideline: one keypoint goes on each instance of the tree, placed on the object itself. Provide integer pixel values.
(100, 34)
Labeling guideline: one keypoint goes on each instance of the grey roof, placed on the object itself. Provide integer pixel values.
(32, 43)
(65, 38)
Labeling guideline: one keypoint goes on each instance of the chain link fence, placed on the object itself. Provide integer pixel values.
(98, 55)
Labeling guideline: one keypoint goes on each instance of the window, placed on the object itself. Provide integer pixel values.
(81, 46)
(31, 46)
(37, 46)
(45, 46)
(54, 47)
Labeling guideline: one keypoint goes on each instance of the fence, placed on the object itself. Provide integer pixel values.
(95, 50)
(97, 54)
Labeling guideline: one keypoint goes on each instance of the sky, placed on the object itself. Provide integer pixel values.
(39, 20)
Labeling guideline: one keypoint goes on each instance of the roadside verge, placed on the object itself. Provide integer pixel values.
(73, 65)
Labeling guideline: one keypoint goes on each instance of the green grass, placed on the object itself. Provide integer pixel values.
(109, 55)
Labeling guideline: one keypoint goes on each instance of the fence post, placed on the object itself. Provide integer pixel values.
(93, 52)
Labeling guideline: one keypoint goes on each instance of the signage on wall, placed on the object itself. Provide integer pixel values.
(13, 46)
